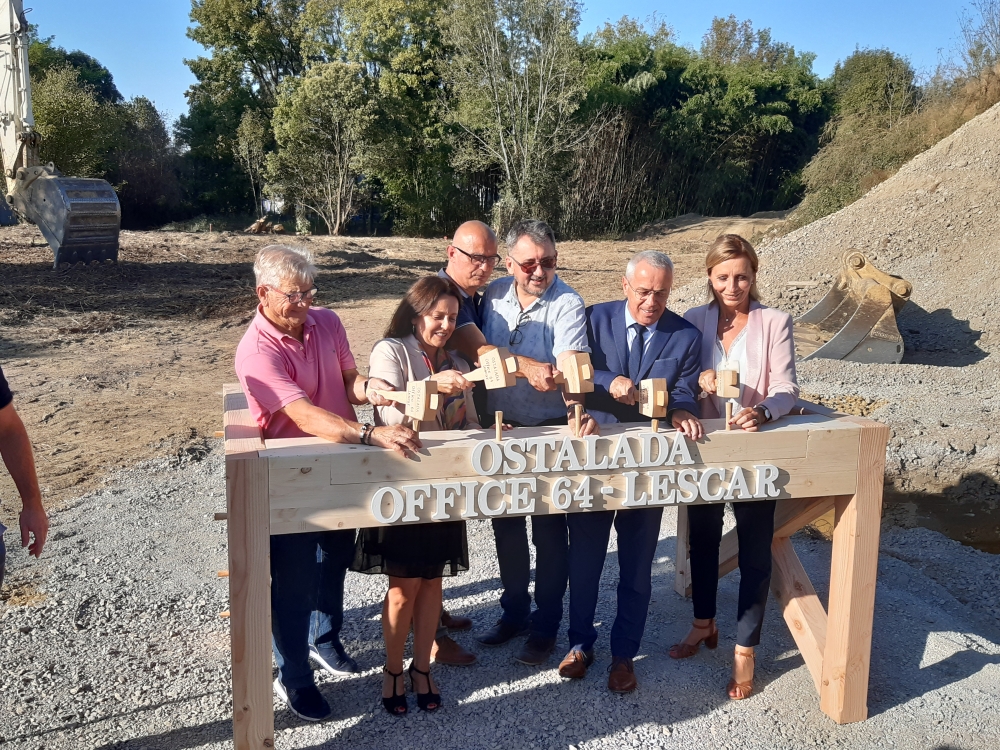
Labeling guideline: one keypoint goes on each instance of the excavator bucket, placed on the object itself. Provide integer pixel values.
(79, 217)
(856, 320)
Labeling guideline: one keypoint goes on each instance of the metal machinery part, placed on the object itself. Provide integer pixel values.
(856, 320)
(79, 217)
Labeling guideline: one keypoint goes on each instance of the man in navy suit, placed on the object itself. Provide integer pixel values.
(630, 340)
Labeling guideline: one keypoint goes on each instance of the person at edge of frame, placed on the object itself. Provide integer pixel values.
(740, 333)
(535, 314)
(15, 448)
(300, 379)
(632, 339)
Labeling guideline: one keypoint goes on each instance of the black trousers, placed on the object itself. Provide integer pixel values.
(754, 528)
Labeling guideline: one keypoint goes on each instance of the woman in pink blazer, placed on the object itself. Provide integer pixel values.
(738, 333)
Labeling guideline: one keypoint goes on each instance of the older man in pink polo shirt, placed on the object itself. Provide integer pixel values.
(300, 379)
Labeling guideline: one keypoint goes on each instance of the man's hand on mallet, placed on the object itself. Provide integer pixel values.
(623, 390)
(541, 375)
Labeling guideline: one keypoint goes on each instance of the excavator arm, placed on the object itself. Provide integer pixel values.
(79, 217)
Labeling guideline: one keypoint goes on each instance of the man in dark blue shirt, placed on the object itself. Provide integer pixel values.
(15, 449)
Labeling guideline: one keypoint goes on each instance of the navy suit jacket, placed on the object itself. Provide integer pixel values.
(673, 352)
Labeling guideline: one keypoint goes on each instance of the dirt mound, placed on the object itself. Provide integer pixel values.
(696, 230)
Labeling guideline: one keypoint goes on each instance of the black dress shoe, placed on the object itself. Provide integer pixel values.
(500, 633)
(536, 651)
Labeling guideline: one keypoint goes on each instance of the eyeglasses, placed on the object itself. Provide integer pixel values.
(529, 268)
(517, 335)
(295, 298)
(660, 295)
(479, 260)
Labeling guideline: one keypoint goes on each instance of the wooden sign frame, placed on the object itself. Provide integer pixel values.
(810, 462)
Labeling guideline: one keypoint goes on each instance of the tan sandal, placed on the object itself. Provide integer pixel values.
(741, 690)
(684, 650)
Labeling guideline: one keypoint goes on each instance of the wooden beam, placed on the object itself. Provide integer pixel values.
(801, 608)
(243, 438)
(250, 603)
(682, 575)
(790, 515)
(853, 569)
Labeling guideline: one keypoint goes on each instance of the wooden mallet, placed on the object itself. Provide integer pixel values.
(727, 385)
(421, 398)
(496, 369)
(576, 374)
(653, 400)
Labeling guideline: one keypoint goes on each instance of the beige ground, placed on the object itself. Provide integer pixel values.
(115, 364)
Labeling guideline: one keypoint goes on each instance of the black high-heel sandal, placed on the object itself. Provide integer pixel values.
(426, 701)
(396, 705)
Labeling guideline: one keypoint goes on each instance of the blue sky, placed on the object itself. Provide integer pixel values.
(143, 42)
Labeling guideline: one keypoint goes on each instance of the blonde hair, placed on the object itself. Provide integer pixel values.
(276, 264)
(727, 247)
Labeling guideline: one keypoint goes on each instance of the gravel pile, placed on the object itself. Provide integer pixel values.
(117, 644)
(936, 223)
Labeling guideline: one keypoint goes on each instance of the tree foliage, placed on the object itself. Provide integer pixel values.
(517, 78)
(321, 126)
(44, 55)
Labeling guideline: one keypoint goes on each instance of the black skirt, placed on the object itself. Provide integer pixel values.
(426, 550)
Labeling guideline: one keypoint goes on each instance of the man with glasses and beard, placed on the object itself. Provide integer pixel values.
(535, 315)
(632, 339)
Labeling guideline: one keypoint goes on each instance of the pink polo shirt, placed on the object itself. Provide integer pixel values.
(276, 369)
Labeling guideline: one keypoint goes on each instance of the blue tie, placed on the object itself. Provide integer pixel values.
(635, 353)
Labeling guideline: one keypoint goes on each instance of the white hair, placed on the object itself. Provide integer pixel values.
(653, 257)
(279, 264)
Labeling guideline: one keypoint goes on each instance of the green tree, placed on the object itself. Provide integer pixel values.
(401, 45)
(877, 86)
(518, 78)
(44, 55)
(321, 126)
(253, 136)
(72, 123)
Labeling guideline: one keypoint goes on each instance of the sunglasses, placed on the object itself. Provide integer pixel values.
(517, 335)
(547, 264)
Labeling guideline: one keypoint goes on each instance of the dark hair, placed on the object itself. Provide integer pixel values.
(536, 229)
(420, 298)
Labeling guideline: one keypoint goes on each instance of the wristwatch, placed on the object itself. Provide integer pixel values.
(764, 410)
(366, 433)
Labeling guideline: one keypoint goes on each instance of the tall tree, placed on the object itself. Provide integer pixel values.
(322, 125)
(518, 80)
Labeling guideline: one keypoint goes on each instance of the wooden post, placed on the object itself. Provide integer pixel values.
(250, 602)
(801, 608)
(853, 569)
(499, 425)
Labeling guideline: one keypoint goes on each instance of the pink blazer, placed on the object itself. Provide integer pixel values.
(770, 355)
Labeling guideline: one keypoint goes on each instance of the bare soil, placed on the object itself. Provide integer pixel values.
(118, 363)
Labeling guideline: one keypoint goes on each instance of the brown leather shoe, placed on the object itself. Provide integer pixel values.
(452, 622)
(622, 677)
(448, 651)
(574, 664)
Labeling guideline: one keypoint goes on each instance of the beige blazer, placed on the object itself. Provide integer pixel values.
(398, 361)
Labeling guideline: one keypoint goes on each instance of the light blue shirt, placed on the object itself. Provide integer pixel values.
(556, 323)
(630, 332)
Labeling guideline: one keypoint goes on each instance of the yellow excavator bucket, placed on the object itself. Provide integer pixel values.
(856, 320)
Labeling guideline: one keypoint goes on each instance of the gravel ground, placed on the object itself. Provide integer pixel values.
(113, 640)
